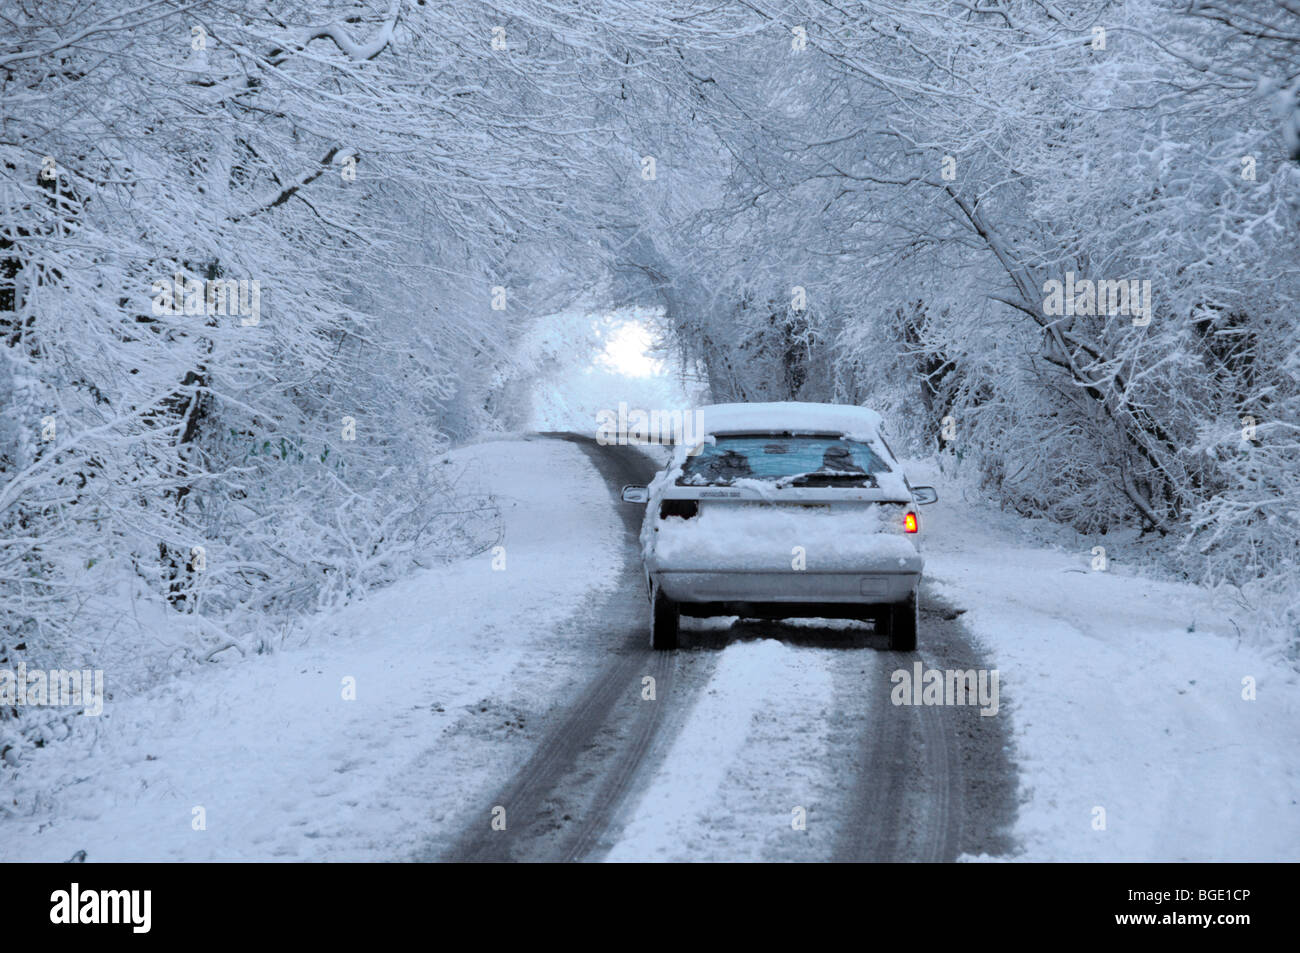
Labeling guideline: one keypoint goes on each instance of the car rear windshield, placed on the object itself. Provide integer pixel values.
(785, 459)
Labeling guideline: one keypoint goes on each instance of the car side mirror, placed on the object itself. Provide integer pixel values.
(633, 493)
(925, 494)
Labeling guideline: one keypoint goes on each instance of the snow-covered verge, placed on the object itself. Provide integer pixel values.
(1147, 725)
(269, 756)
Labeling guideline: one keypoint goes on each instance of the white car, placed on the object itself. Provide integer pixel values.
(783, 510)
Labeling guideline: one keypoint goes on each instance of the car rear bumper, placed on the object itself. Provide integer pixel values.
(760, 588)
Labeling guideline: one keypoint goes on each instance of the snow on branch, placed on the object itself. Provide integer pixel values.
(287, 192)
(357, 51)
(118, 22)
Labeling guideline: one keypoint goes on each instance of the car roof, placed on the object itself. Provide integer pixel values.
(789, 417)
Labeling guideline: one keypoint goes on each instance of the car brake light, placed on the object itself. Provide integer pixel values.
(909, 523)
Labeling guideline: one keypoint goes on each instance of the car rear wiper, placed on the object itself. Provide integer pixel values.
(827, 478)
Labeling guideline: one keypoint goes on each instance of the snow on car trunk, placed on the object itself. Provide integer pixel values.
(783, 537)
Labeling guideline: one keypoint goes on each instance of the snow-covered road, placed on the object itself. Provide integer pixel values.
(526, 693)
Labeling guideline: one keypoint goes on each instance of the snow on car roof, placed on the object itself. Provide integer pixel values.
(790, 416)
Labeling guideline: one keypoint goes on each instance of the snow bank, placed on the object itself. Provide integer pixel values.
(1146, 726)
(271, 759)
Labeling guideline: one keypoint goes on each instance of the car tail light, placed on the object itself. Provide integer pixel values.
(909, 523)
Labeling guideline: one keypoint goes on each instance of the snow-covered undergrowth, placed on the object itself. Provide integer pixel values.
(301, 542)
(272, 757)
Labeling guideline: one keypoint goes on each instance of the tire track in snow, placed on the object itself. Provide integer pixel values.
(561, 803)
(750, 752)
(933, 782)
(619, 780)
(539, 811)
(872, 812)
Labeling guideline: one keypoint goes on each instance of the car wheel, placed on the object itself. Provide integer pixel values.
(665, 620)
(902, 625)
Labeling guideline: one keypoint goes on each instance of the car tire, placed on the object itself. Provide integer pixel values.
(903, 618)
(665, 621)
